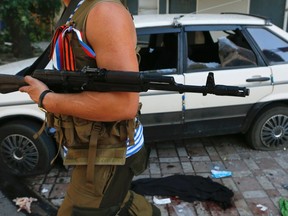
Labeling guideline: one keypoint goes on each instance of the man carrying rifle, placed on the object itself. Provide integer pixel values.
(100, 130)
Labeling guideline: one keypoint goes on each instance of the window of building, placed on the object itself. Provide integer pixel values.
(148, 7)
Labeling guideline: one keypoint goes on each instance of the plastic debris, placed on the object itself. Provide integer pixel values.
(161, 201)
(44, 190)
(182, 209)
(220, 173)
(262, 207)
(24, 203)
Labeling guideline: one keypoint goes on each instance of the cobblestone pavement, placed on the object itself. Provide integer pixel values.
(258, 177)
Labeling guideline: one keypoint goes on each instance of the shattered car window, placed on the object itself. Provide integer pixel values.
(218, 49)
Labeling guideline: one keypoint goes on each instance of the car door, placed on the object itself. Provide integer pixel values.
(158, 53)
(225, 51)
(273, 45)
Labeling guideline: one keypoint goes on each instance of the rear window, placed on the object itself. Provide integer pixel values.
(274, 49)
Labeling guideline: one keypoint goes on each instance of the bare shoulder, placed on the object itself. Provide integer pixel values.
(110, 16)
(110, 9)
(111, 33)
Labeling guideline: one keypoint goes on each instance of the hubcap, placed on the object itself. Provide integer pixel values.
(274, 132)
(19, 153)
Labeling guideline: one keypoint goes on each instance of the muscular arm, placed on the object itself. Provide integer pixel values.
(111, 33)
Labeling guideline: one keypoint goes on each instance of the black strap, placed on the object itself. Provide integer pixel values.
(42, 61)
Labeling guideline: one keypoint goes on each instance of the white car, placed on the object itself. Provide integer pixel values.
(20, 119)
(241, 50)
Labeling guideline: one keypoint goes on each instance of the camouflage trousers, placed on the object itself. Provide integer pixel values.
(110, 194)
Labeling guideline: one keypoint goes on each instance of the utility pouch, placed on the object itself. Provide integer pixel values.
(107, 139)
(104, 156)
(101, 145)
(72, 131)
(139, 163)
(108, 143)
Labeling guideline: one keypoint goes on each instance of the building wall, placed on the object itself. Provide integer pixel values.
(275, 11)
(182, 6)
(218, 6)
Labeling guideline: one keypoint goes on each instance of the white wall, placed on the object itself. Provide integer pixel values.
(218, 6)
(202, 6)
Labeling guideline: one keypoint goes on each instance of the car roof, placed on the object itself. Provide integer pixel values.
(142, 21)
(14, 67)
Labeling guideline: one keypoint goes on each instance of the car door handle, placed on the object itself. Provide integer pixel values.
(258, 79)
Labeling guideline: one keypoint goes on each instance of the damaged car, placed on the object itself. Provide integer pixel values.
(240, 49)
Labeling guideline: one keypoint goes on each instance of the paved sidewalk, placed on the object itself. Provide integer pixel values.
(258, 177)
(8, 208)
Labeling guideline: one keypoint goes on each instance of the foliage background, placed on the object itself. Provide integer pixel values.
(24, 22)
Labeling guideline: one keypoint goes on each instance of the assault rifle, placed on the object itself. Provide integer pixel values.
(102, 80)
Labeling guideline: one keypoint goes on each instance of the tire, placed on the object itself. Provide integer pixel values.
(20, 153)
(270, 129)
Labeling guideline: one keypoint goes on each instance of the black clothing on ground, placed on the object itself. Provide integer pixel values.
(187, 187)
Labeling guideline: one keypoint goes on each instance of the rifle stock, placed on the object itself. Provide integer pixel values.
(102, 80)
(10, 83)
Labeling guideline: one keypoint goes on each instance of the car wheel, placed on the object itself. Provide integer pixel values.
(20, 153)
(270, 130)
